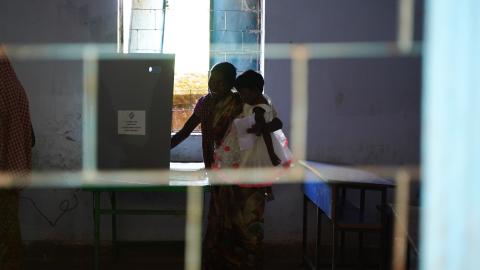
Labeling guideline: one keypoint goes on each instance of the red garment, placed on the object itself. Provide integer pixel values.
(15, 156)
(15, 124)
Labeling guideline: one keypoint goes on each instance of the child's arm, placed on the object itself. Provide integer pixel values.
(189, 126)
(260, 121)
(274, 125)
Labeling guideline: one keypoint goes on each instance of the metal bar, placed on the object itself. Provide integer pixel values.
(142, 212)
(193, 230)
(450, 212)
(405, 25)
(90, 71)
(401, 223)
(119, 26)
(299, 115)
(337, 50)
(163, 22)
(345, 50)
(262, 41)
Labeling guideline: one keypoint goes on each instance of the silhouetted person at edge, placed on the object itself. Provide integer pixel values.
(16, 140)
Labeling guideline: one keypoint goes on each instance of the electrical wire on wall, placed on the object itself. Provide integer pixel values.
(65, 206)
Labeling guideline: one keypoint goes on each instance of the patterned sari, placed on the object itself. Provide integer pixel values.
(234, 233)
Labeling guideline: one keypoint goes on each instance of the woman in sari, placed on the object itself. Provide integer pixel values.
(234, 233)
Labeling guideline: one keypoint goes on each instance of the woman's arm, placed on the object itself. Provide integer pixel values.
(189, 126)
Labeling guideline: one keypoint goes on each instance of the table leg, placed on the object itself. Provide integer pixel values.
(304, 228)
(384, 232)
(334, 246)
(342, 246)
(96, 221)
(335, 195)
(360, 234)
(342, 214)
(193, 230)
(319, 237)
(113, 202)
(360, 250)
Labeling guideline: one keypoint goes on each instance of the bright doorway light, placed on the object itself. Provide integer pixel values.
(180, 27)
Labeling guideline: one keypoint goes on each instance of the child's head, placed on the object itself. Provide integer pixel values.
(250, 86)
(222, 78)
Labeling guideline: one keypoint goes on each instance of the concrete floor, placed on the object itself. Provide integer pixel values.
(167, 255)
(157, 255)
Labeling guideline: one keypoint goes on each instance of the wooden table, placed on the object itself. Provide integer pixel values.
(325, 186)
(178, 182)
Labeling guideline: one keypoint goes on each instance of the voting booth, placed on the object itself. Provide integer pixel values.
(135, 111)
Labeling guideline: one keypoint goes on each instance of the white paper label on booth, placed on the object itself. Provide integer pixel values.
(131, 122)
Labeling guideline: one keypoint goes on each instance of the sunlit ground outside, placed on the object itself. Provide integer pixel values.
(187, 35)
